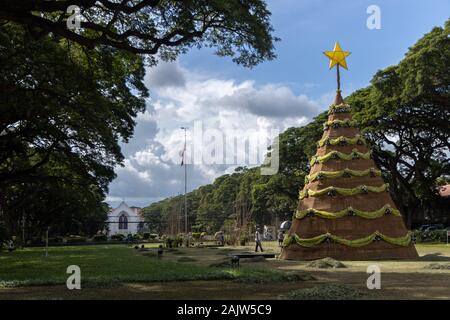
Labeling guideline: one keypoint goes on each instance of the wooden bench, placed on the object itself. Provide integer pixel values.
(243, 255)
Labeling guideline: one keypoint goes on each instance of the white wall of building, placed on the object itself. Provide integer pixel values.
(132, 215)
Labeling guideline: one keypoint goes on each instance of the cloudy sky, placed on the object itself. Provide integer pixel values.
(216, 99)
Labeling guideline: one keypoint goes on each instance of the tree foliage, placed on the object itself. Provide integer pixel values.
(237, 28)
(406, 115)
(64, 110)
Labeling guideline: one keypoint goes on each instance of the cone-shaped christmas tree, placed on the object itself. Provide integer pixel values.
(345, 210)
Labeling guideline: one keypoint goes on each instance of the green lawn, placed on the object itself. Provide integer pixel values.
(105, 265)
(121, 272)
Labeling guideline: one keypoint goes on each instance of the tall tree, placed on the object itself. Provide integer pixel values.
(62, 102)
(64, 110)
(406, 113)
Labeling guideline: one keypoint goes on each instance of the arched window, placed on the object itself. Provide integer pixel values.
(123, 222)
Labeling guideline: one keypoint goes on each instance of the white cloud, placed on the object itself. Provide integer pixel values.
(180, 98)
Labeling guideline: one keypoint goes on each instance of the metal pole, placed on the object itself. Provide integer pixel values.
(338, 78)
(185, 183)
(185, 188)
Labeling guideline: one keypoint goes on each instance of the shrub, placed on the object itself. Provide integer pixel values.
(36, 241)
(75, 239)
(54, 240)
(243, 240)
(429, 236)
(119, 237)
(187, 242)
(153, 236)
(137, 236)
(146, 235)
(178, 242)
(168, 241)
(100, 237)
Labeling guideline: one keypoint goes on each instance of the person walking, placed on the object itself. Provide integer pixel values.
(258, 241)
(280, 238)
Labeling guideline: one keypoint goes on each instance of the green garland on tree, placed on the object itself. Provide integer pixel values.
(315, 241)
(342, 173)
(386, 209)
(355, 154)
(357, 139)
(347, 123)
(331, 191)
(339, 108)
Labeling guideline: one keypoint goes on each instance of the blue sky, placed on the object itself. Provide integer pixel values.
(202, 88)
(309, 27)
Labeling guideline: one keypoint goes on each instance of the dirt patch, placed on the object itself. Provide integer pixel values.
(186, 259)
(201, 290)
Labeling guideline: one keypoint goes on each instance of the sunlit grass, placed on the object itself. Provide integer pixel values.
(103, 265)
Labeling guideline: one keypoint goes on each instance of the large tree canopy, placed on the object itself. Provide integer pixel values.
(64, 110)
(237, 28)
(62, 103)
(406, 116)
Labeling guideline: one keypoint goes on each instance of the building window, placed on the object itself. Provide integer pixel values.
(123, 222)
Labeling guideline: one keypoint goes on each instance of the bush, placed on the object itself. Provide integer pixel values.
(196, 235)
(243, 240)
(153, 236)
(100, 237)
(146, 235)
(75, 239)
(168, 241)
(119, 237)
(36, 241)
(429, 236)
(54, 240)
(137, 236)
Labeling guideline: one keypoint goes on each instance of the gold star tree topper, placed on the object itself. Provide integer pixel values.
(337, 56)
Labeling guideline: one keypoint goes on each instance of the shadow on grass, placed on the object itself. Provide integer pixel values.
(434, 257)
(326, 292)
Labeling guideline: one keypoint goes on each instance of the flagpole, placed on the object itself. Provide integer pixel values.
(185, 183)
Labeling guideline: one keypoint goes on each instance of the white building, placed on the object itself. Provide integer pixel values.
(125, 220)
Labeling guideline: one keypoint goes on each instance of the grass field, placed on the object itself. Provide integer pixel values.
(106, 265)
(119, 271)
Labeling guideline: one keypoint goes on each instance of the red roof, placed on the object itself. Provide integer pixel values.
(444, 191)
